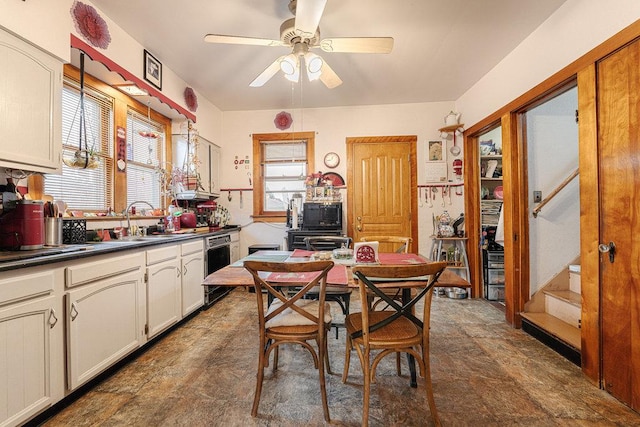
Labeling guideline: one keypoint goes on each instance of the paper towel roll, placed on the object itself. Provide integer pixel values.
(294, 217)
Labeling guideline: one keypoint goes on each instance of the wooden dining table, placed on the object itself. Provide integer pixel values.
(236, 275)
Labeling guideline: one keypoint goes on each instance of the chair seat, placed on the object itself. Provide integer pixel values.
(290, 317)
(401, 330)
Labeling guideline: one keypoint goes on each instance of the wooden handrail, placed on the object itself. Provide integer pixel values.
(551, 195)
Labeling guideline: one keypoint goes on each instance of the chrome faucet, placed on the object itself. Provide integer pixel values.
(129, 216)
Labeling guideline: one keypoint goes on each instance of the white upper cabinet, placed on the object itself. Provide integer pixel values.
(208, 164)
(30, 107)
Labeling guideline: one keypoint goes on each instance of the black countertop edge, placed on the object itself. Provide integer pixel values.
(90, 249)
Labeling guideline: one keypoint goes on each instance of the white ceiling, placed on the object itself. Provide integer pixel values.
(441, 47)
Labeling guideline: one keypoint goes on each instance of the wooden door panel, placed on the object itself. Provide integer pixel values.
(619, 171)
(381, 200)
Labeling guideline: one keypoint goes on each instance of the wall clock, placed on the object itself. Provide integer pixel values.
(331, 160)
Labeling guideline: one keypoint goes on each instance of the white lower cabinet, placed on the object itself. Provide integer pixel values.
(105, 316)
(163, 278)
(31, 343)
(192, 263)
(234, 248)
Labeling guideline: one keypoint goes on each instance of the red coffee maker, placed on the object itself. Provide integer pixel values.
(22, 225)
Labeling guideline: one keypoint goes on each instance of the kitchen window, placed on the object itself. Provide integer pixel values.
(145, 153)
(71, 186)
(282, 162)
(108, 109)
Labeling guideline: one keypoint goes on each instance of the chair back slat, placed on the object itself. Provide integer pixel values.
(313, 273)
(397, 244)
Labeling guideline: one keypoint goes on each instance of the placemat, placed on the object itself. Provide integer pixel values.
(261, 257)
(337, 276)
(302, 253)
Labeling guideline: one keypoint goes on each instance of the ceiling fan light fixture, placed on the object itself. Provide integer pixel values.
(314, 63)
(294, 77)
(289, 65)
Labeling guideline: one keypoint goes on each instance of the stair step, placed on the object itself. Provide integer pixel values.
(550, 335)
(562, 330)
(563, 304)
(567, 296)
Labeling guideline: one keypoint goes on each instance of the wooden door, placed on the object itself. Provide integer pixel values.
(618, 98)
(382, 183)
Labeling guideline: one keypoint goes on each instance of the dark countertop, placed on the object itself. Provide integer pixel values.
(12, 260)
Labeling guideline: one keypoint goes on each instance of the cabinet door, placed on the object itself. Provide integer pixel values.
(163, 296)
(30, 107)
(192, 276)
(214, 165)
(204, 168)
(105, 322)
(31, 334)
(234, 248)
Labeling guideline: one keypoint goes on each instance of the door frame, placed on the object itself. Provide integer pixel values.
(583, 69)
(413, 164)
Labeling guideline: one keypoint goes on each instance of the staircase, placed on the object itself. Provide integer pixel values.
(553, 314)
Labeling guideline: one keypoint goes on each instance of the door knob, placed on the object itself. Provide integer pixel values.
(610, 248)
(359, 228)
(359, 218)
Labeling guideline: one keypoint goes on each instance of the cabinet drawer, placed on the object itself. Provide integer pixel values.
(191, 247)
(495, 293)
(97, 270)
(19, 286)
(165, 253)
(495, 277)
(495, 264)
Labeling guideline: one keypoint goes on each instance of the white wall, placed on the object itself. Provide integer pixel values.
(128, 53)
(574, 29)
(332, 127)
(552, 154)
(44, 23)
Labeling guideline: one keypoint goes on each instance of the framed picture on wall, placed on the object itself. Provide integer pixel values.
(436, 151)
(152, 70)
(436, 170)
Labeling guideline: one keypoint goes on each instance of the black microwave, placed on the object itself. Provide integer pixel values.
(322, 216)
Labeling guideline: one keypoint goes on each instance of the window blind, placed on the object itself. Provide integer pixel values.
(85, 189)
(284, 167)
(144, 156)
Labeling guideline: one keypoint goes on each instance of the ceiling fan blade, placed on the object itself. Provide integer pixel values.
(266, 75)
(358, 44)
(220, 38)
(329, 77)
(308, 14)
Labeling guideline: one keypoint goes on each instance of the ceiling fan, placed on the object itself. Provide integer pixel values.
(302, 34)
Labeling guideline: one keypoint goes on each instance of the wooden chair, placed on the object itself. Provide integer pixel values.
(290, 318)
(397, 331)
(392, 244)
(326, 243)
(338, 294)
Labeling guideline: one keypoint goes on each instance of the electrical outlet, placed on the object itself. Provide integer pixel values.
(537, 196)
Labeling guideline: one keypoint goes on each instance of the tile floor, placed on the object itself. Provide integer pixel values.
(484, 373)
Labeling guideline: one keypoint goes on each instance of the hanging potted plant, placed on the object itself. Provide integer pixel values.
(84, 157)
